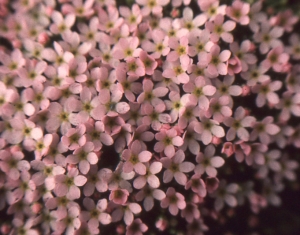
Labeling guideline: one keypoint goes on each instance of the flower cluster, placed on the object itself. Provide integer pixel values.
(111, 113)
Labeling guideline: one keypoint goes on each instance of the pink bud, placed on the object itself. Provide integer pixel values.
(161, 224)
(3, 10)
(16, 43)
(2, 48)
(174, 12)
(245, 90)
(228, 149)
(49, 11)
(71, 166)
(120, 229)
(43, 38)
(36, 208)
(197, 199)
(159, 62)
(252, 47)
(165, 127)
(216, 140)
(5, 229)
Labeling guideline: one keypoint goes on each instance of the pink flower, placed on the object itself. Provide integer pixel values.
(207, 128)
(200, 43)
(149, 177)
(289, 104)
(243, 54)
(174, 201)
(191, 23)
(119, 196)
(225, 193)
(228, 149)
(211, 8)
(68, 185)
(268, 37)
(276, 59)
(242, 150)
(32, 73)
(109, 20)
(60, 24)
(264, 129)
(207, 162)
(167, 140)
(191, 139)
(11, 63)
(180, 49)
(294, 48)
(130, 86)
(22, 129)
(135, 157)
(200, 89)
(111, 105)
(155, 116)
(71, 42)
(220, 29)
(96, 134)
(270, 163)
(90, 33)
(39, 146)
(266, 91)
(197, 185)
(74, 138)
(176, 104)
(126, 48)
(217, 62)
(151, 94)
(46, 173)
(132, 18)
(160, 44)
(62, 116)
(226, 88)
(136, 67)
(238, 123)
(148, 194)
(84, 156)
(285, 19)
(137, 227)
(238, 11)
(79, 8)
(95, 213)
(255, 75)
(154, 6)
(24, 190)
(126, 211)
(256, 16)
(68, 220)
(58, 56)
(177, 71)
(219, 109)
(256, 153)
(176, 167)
(190, 212)
(12, 164)
(149, 63)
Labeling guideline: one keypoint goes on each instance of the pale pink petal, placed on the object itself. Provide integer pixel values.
(80, 180)
(186, 167)
(217, 161)
(180, 178)
(139, 182)
(145, 156)
(153, 181)
(155, 167)
(148, 203)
